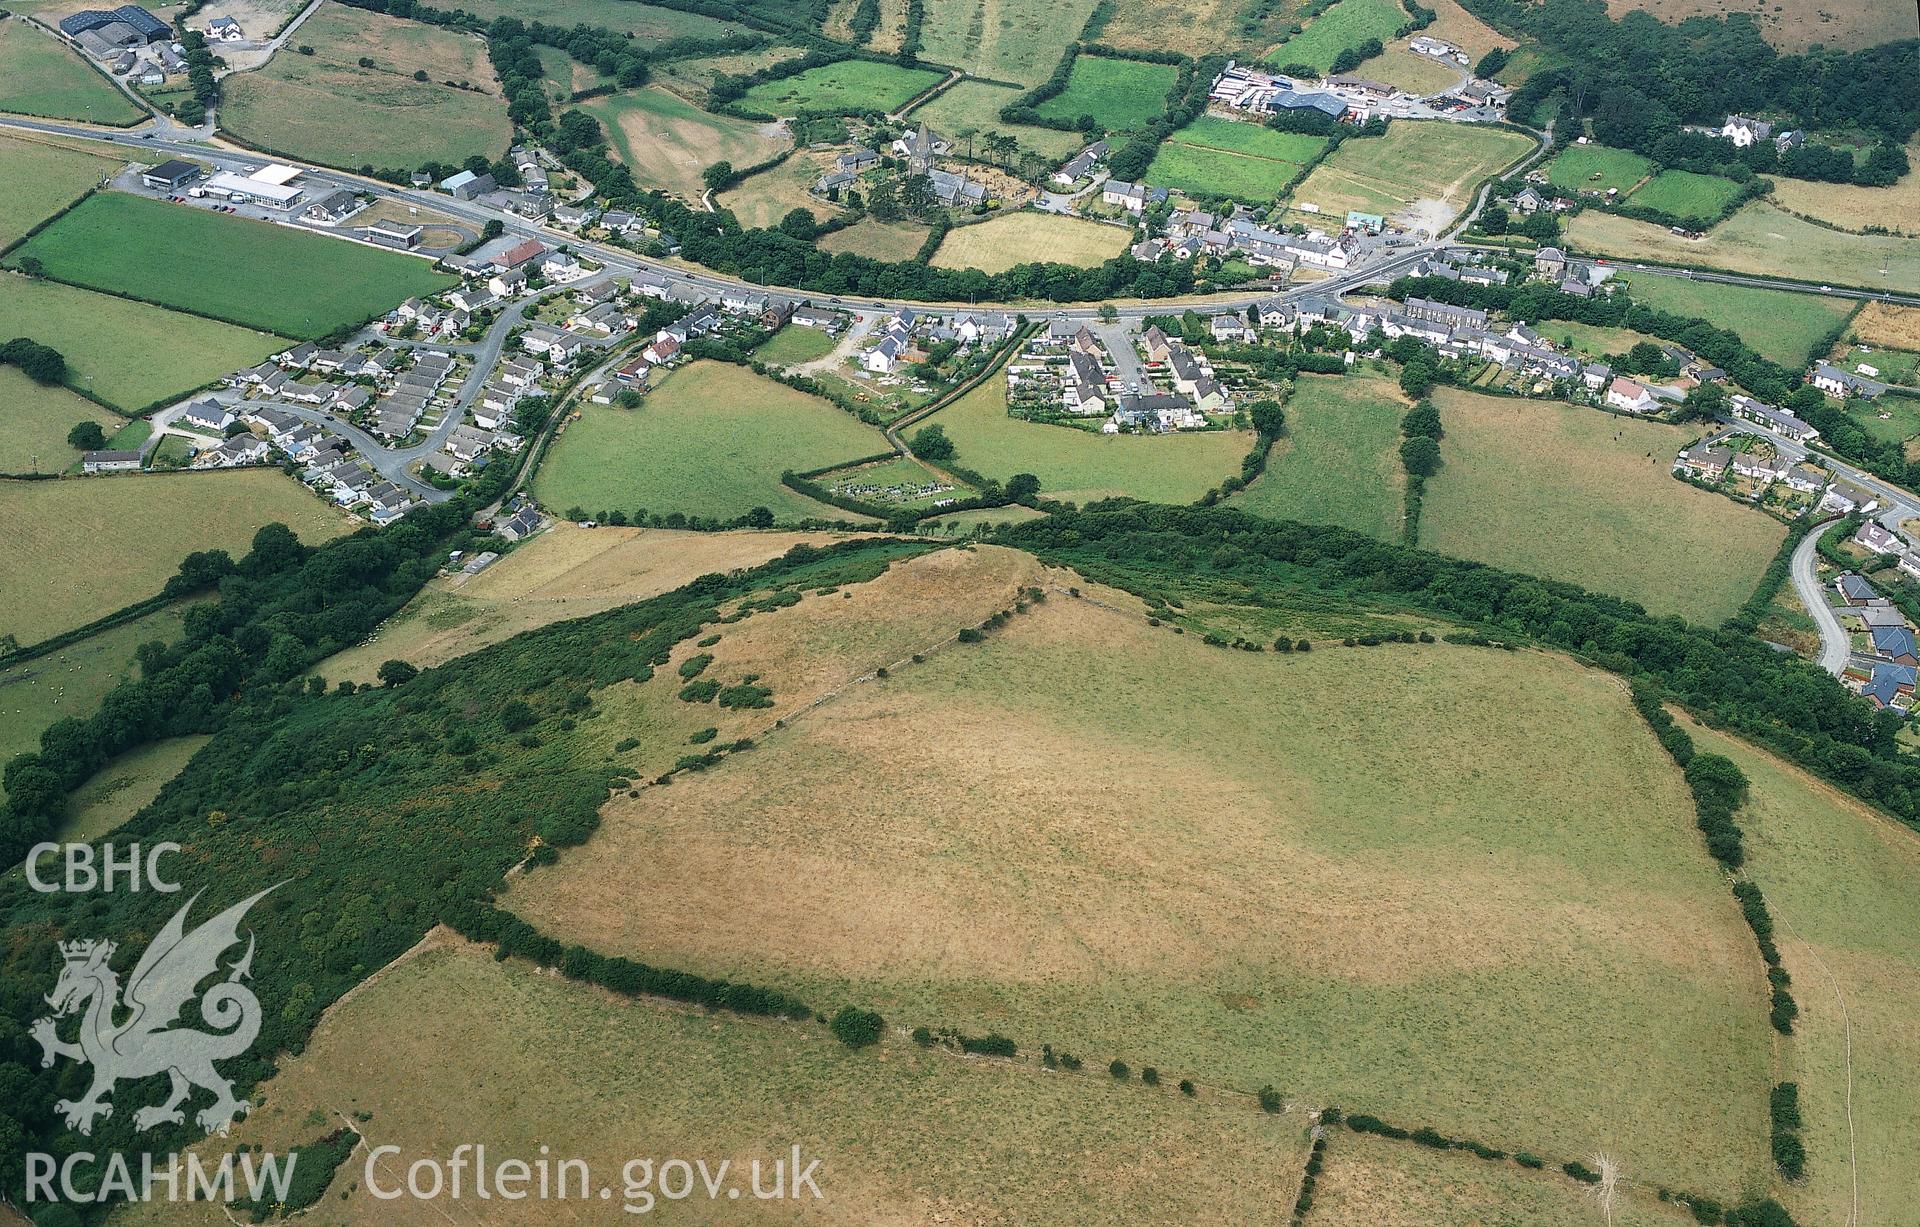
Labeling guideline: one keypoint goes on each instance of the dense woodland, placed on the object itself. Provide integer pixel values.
(1639, 80)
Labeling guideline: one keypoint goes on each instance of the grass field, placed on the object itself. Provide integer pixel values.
(41, 76)
(1843, 883)
(763, 199)
(1193, 27)
(509, 1056)
(565, 572)
(73, 680)
(851, 85)
(107, 243)
(794, 344)
(1403, 69)
(1781, 324)
(1582, 496)
(125, 352)
(1121, 95)
(1340, 460)
(1347, 24)
(125, 785)
(41, 180)
(1020, 238)
(1420, 74)
(1795, 25)
(666, 141)
(1855, 208)
(712, 441)
(1077, 465)
(34, 422)
(973, 108)
(1595, 168)
(1419, 172)
(1270, 883)
(1685, 194)
(1008, 40)
(888, 241)
(1593, 340)
(1219, 157)
(326, 108)
(643, 21)
(693, 79)
(1372, 1182)
(1758, 239)
(76, 550)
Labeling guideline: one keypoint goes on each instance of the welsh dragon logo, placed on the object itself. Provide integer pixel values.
(145, 1042)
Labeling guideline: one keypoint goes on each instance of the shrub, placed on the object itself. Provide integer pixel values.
(1270, 1099)
(1581, 1172)
(1150, 1076)
(1524, 1159)
(1186, 1086)
(1426, 1135)
(1119, 1070)
(625, 744)
(516, 715)
(970, 635)
(746, 695)
(701, 691)
(702, 737)
(1070, 1062)
(694, 666)
(994, 1045)
(855, 1027)
(923, 1037)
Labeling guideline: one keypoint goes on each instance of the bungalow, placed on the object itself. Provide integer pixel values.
(1624, 393)
(520, 525)
(1855, 590)
(597, 293)
(573, 217)
(477, 298)
(333, 208)
(1878, 539)
(1708, 464)
(818, 317)
(651, 285)
(618, 222)
(110, 461)
(207, 415)
(1836, 382)
(237, 451)
(1759, 468)
(352, 400)
(1806, 478)
(1890, 686)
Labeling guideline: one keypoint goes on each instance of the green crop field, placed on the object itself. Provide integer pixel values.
(1079, 465)
(1340, 460)
(73, 680)
(712, 440)
(1758, 239)
(39, 75)
(1347, 24)
(76, 550)
(849, 86)
(1219, 157)
(666, 141)
(795, 344)
(1272, 882)
(645, 22)
(1421, 173)
(1781, 324)
(972, 108)
(34, 422)
(1595, 168)
(271, 277)
(1007, 40)
(1002, 242)
(327, 108)
(1121, 95)
(1687, 195)
(128, 353)
(41, 180)
(1578, 495)
(906, 1134)
(1843, 883)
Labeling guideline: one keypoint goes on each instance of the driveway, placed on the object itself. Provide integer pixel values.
(1835, 646)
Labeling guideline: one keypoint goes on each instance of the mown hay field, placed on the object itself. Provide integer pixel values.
(35, 420)
(890, 242)
(1445, 919)
(1002, 242)
(1888, 325)
(76, 550)
(1339, 462)
(712, 440)
(1220, 157)
(1855, 208)
(1758, 239)
(128, 353)
(1079, 465)
(1569, 493)
(1007, 40)
(40, 75)
(666, 141)
(565, 572)
(107, 244)
(327, 108)
(1421, 171)
(508, 1056)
